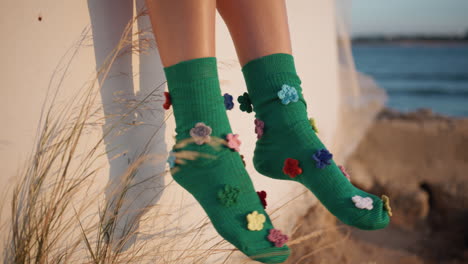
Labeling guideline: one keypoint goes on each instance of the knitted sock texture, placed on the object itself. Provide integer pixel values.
(216, 177)
(289, 148)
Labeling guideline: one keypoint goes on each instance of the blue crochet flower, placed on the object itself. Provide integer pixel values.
(228, 101)
(288, 94)
(171, 159)
(322, 158)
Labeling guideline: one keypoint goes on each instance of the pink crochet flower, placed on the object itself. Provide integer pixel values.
(344, 172)
(243, 161)
(277, 237)
(233, 141)
(259, 125)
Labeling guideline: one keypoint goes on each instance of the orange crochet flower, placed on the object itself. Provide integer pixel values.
(291, 168)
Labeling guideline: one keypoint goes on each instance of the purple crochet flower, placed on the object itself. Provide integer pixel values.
(228, 101)
(277, 237)
(201, 133)
(259, 125)
(322, 158)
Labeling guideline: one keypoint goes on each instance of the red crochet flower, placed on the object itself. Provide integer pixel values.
(262, 195)
(291, 167)
(168, 102)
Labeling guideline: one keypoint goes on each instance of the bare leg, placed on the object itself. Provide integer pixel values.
(258, 27)
(184, 29)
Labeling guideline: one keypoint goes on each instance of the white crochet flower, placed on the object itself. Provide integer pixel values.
(363, 202)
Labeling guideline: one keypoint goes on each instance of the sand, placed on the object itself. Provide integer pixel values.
(420, 160)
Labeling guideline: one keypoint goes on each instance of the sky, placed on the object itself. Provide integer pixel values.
(386, 17)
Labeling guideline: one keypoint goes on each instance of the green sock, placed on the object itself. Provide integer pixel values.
(219, 182)
(289, 149)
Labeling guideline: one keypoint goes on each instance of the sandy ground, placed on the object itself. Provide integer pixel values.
(420, 160)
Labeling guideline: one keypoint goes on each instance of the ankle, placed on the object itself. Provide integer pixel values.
(275, 90)
(196, 96)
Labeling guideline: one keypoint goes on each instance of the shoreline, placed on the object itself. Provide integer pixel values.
(403, 41)
(412, 42)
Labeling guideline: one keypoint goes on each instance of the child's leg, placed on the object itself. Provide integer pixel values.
(220, 182)
(289, 149)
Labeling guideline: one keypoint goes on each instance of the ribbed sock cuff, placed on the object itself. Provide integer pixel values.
(265, 76)
(193, 81)
(191, 70)
(274, 66)
(196, 96)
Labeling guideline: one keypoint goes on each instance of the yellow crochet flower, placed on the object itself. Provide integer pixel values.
(255, 221)
(386, 202)
(314, 126)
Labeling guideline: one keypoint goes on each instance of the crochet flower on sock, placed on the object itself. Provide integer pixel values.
(313, 125)
(342, 169)
(291, 167)
(278, 238)
(262, 195)
(322, 158)
(386, 203)
(171, 159)
(255, 221)
(243, 161)
(228, 103)
(259, 125)
(288, 94)
(363, 202)
(245, 103)
(201, 133)
(233, 141)
(228, 195)
(167, 104)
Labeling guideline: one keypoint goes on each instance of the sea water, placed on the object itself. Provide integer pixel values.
(416, 76)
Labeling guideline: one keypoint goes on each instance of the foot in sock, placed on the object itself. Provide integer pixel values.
(217, 178)
(289, 149)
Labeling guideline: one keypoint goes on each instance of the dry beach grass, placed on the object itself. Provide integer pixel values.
(56, 213)
(50, 219)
